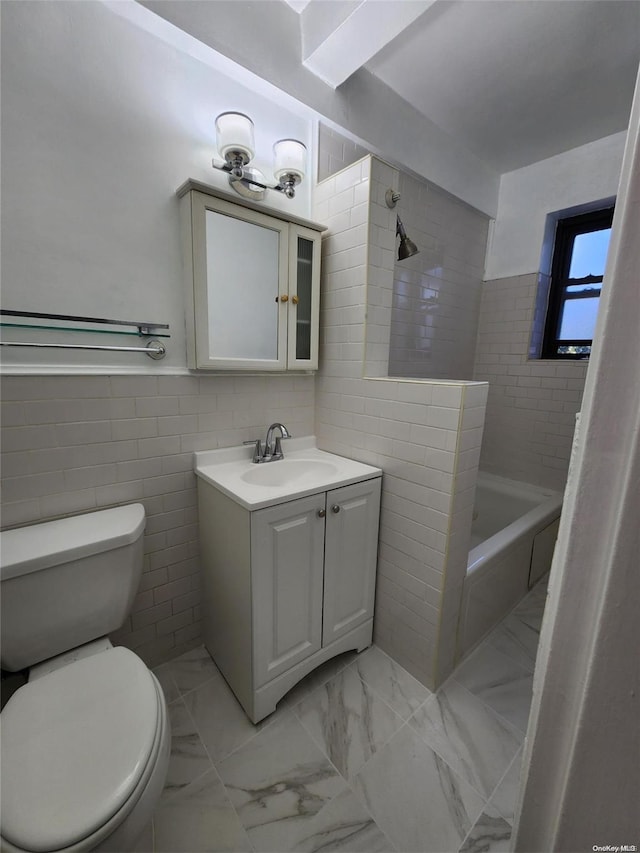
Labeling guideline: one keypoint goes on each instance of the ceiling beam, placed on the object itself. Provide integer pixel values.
(354, 40)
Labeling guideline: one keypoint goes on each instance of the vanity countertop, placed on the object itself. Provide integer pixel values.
(305, 470)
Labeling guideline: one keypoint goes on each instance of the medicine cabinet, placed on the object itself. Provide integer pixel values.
(252, 284)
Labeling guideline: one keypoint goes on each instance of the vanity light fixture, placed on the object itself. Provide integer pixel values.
(235, 142)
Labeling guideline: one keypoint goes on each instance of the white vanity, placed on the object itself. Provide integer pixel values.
(289, 552)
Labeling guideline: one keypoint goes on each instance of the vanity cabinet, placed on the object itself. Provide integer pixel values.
(287, 587)
(252, 284)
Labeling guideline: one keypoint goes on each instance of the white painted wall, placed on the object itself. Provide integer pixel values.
(527, 195)
(101, 122)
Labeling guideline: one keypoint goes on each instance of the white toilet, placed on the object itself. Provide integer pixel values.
(86, 742)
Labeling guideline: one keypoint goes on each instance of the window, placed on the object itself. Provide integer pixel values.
(579, 257)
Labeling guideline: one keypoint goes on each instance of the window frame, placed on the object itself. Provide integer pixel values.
(566, 232)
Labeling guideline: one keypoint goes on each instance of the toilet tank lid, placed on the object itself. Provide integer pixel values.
(40, 546)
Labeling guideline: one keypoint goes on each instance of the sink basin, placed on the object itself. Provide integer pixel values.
(286, 472)
(305, 470)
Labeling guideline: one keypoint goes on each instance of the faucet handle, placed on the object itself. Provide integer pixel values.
(257, 448)
(277, 453)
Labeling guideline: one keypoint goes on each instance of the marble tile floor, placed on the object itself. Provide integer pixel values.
(359, 756)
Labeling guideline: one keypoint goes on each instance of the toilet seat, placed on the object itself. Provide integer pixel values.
(79, 746)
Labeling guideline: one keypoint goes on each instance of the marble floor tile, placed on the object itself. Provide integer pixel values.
(191, 669)
(500, 682)
(188, 759)
(169, 687)
(316, 679)
(531, 610)
(505, 797)
(348, 720)
(278, 782)
(489, 834)
(400, 690)
(416, 798)
(200, 818)
(517, 639)
(144, 844)
(343, 825)
(220, 719)
(477, 743)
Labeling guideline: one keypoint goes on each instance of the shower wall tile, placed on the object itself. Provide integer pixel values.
(73, 444)
(436, 293)
(532, 402)
(335, 151)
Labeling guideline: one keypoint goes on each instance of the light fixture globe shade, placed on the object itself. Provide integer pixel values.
(290, 160)
(234, 135)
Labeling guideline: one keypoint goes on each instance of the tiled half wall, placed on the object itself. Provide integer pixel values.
(424, 434)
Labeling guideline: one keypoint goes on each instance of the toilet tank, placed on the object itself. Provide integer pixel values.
(67, 582)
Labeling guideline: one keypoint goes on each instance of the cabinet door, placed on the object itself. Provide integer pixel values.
(304, 298)
(351, 553)
(287, 544)
(240, 274)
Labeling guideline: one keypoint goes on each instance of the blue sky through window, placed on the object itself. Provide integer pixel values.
(589, 253)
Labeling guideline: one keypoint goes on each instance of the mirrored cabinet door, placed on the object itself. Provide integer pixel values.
(252, 285)
(240, 261)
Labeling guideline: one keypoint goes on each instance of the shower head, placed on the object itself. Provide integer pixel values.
(407, 247)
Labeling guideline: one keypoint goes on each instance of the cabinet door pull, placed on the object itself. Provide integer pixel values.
(321, 513)
(295, 300)
(335, 508)
(284, 298)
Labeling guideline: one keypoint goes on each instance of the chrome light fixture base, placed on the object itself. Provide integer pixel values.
(248, 184)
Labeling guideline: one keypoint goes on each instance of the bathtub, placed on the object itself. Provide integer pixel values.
(512, 540)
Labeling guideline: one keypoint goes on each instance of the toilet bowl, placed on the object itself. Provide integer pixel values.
(85, 743)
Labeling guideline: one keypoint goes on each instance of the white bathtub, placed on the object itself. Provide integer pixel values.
(512, 540)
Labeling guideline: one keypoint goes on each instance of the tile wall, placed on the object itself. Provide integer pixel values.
(73, 444)
(425, 435)
(532, 403)
(335, 151)
(436, 293)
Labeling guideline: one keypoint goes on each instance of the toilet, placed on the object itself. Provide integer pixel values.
(86, 741)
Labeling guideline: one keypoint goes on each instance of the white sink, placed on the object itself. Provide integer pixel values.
(305, 470)
(287, 471)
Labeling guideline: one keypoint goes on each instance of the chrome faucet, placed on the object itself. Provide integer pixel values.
(271, 451)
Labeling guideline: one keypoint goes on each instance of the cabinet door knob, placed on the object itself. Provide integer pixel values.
(335, 508)
(321, 513)
(295, 300)
(284, 298)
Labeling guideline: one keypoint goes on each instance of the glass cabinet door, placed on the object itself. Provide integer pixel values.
(304, 287)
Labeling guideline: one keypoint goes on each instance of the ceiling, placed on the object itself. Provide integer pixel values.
(515, 81)
(503, 82)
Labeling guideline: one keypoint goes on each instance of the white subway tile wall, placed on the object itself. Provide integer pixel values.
(420, 433)
(73, 444)
(335, 151)
(532, 403)
(436, 293)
